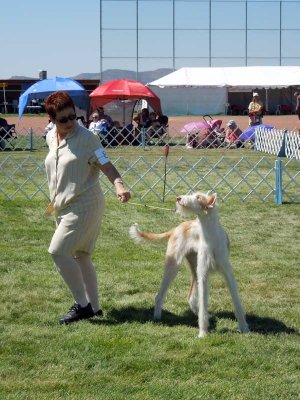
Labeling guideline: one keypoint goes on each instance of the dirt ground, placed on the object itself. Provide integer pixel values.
(289, 122)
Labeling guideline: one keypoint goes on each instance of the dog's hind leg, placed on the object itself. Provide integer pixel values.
(171, 268)
(232, 285)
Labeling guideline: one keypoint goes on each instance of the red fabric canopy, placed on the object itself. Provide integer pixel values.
(123, 89)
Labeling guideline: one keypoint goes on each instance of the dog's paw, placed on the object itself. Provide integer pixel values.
(134, 233)
(245, 329)
(202, 334)
(157, 316)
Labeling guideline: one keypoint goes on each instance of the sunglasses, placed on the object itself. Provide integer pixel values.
(64, 120)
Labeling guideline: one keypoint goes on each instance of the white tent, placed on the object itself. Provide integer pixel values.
(207, 90)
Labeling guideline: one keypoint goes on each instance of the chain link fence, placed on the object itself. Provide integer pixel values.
(154, 179)
(207, 137)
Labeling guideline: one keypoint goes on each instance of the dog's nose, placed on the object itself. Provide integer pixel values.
(178, 199)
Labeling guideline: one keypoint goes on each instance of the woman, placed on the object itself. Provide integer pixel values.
(232, 134)
(73, 164)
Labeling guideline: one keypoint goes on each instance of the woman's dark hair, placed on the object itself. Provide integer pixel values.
(57, 102)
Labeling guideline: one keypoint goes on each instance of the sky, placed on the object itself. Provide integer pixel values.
(62, 36)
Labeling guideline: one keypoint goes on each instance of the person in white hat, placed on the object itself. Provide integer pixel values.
(255, 110)
(297, 109)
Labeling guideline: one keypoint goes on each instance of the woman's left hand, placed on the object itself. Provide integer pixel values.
(122, 193)
(123, 196)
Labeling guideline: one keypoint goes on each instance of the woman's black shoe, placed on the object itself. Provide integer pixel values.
(98, 313)
(76, 313)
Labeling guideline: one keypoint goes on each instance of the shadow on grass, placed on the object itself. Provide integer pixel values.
(17, 149)
(262, 325)
(145, 315)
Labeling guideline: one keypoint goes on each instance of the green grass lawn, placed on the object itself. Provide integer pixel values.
(125, 355)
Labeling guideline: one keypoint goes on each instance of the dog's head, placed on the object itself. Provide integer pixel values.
(196, 203)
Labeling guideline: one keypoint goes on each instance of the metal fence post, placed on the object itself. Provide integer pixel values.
(278, 181)
(143, 138)
(31, 139)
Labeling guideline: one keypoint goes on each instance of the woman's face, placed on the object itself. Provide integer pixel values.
(65, 120)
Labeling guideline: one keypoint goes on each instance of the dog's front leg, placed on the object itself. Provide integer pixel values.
(203, 316)
(171, 269)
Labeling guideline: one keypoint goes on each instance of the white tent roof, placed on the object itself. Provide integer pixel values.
(242, 77)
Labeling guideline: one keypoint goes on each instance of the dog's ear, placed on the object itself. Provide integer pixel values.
(211, 200)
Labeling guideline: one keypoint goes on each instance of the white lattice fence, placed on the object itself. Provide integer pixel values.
(278, 142)
(268, 141)
(292, 145)
(242, 178)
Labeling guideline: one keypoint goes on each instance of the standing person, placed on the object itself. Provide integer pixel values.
(297, 109)
(73, 164)
(255, 110)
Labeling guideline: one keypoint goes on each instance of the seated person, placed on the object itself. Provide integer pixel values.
(48, 128)
(192, 141)
(7, 132)
(210, 136)
(255, 110)
(164, 123)
(135, 121)
(102, 115)
(154, 125)
(94, 126)
(4, 126)
(81, 121)
(99, 128)
(81, 115)
(232, 134)
(159, 126)
(143, 119)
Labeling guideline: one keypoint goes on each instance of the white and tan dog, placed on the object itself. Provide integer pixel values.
(205, 245)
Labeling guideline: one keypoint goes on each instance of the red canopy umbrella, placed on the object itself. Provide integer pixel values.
(123, 89)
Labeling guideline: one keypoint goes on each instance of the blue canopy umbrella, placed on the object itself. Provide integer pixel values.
(249, 134)
(42, 89)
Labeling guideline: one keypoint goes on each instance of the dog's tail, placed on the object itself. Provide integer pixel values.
(137, 235)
